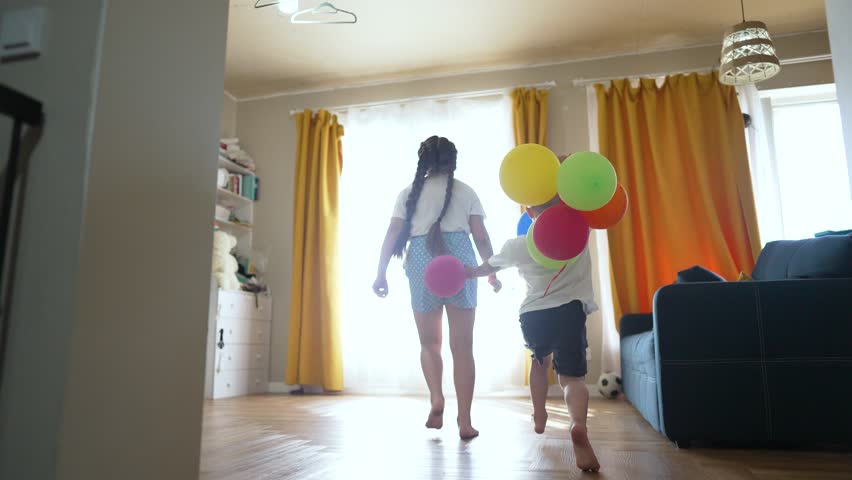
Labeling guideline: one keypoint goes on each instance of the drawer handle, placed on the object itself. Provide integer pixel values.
(221, 343)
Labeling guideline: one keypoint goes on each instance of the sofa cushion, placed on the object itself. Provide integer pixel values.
(822, 257)
(698, 274)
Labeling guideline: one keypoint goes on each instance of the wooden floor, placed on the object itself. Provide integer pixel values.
(353, 438)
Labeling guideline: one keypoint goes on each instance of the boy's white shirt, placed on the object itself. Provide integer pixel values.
(574, 283)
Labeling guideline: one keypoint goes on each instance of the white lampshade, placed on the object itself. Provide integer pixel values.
(288, 7)
(748, 55)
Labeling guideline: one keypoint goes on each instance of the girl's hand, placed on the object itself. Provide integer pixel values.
(380, 286)
(470, 272)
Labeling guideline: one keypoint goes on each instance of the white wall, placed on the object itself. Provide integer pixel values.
(136, 370)
(64, 78)
(839, 15)
(105, 366)
(268, 132)
(229, 117)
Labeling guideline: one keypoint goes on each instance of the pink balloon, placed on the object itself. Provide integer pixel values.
(561, 233)
(445, 276)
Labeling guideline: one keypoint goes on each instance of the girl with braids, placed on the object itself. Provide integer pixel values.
(436, 215)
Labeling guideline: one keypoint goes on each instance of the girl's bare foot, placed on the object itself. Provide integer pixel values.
(540, 422)
(586, 459)
(466, 430)
(436, 415)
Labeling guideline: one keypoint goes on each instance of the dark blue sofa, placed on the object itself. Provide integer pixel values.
(760, 361)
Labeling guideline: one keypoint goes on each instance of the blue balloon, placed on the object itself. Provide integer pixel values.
(524, 224)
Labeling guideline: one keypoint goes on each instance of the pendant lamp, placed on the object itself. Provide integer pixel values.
(748, 54)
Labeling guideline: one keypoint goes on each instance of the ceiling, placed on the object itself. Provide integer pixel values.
(406, 38)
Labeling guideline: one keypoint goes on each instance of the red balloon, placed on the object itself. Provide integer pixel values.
(609, 214)
(445, 276)
(561, 233)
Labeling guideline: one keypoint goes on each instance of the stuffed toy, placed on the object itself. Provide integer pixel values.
(224, 264)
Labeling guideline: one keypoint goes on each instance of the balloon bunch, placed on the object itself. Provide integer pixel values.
(590, 196)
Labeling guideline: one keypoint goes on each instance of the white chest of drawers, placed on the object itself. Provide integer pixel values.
(238, 359)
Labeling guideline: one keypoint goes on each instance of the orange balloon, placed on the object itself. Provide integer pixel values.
(609, 214)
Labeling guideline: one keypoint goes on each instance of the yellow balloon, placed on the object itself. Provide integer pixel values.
(528, 174)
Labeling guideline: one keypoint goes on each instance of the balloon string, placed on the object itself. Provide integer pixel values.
(553, 280)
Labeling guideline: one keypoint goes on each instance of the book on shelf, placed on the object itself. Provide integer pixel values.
(244, 185)
(248, 187)
(235, 182)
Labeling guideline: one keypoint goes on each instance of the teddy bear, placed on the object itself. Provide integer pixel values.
(224, 264)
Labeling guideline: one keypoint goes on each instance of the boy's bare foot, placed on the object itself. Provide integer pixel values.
(540, 422)
(436, 415)
(466, 430)
(586, 459)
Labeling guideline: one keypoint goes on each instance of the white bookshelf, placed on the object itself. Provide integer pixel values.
(242, 207)
(239, 322)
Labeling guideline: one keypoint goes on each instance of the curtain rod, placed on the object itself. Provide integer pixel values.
(582, 82)
(479, 93)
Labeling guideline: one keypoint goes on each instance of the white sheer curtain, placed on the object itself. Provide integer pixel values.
(797, 161)
(762, 163)
(610, 341)
(380, 342)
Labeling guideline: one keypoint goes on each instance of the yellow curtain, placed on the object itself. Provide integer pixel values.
(529, 122)
(314, 354)
(680, 153)
(529, 115)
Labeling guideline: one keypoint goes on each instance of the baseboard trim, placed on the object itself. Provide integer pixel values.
(554, 392)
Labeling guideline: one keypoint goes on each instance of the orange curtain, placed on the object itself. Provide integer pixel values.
(680, 153)
(314, 354)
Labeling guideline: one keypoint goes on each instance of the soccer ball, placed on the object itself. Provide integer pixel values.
(609, 385)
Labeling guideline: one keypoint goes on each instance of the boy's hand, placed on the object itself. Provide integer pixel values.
(495, 283)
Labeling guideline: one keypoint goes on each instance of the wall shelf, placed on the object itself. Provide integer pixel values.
(233, 228)
(233, 167)
(227, 198)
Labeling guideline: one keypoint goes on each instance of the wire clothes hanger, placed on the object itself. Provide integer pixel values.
(325, 9)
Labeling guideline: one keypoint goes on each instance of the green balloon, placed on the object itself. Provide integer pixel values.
(586, 181)
(539, 258)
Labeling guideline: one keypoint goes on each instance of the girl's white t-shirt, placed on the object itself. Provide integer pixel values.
(463, 204)
(574, 283)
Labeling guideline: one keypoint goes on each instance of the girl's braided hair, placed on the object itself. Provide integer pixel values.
(437, 155)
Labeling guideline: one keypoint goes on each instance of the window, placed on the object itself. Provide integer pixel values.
(380, 343)
(806, 146)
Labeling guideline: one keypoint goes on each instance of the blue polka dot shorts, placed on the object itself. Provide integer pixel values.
(418, 257)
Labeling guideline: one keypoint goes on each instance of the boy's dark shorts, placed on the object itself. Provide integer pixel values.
(560, 331)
